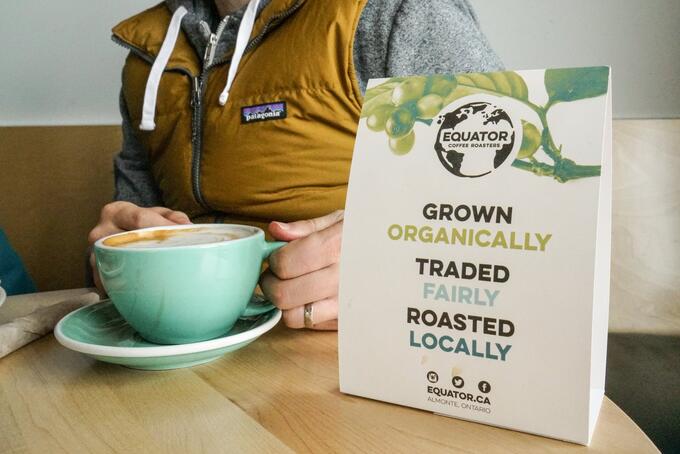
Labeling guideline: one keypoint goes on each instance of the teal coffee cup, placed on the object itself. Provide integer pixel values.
(183, 284)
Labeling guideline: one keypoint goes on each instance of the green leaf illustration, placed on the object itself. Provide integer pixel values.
(531, 140)
(576, 83)
(382, 88)
(379, 95)
(507, 83)
(396, 105)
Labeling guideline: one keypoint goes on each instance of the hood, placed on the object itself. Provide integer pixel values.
(202, 19)
(233, 32)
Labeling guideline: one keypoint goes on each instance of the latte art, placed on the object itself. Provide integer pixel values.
(164, 238)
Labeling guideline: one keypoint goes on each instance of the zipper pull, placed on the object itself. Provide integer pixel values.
(209, 50)
(196, 93)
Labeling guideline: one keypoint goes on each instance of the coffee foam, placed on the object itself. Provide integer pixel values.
(161, 238)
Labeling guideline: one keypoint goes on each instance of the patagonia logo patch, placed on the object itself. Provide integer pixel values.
(263, 112)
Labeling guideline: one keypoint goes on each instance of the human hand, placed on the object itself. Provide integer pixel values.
(119, 217)
(306, 270)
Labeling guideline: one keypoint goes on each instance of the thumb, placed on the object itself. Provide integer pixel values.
(178, 217)
(299, 229)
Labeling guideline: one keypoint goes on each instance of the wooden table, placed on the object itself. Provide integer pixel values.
(279, 394)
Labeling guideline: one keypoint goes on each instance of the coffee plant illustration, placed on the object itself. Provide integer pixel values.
(398, 103)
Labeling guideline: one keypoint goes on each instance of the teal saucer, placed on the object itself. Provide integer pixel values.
(99, 331)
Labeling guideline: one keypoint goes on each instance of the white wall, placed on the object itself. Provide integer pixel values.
(60, 67)
(640, 40)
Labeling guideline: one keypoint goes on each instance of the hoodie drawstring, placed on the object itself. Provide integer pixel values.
(244, 31)
(151, 91)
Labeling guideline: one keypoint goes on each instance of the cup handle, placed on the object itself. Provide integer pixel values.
(257, 305)
(269, 248)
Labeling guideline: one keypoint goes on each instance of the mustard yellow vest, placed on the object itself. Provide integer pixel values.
(233, 163)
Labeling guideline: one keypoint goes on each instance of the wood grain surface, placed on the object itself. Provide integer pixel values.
(278, 394)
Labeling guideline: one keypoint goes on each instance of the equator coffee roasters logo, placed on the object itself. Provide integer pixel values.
(475, 138)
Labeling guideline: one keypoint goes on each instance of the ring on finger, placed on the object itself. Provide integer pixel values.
(309, 322)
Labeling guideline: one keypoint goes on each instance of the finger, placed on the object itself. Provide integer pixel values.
(178, 217)
(160, 210)
(101, 230)
(289, 293)
(291, 231)
(300, 257)
(105, 226)
(134, 217)
(110, 209)
(331, 325)
(323, 311)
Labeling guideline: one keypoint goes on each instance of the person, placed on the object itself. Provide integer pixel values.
(14, 278)
(245, 112)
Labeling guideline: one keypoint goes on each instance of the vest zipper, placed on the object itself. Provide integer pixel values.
(272, 22)
(197, 113)
(213, 39)
(195, 105)
(210, 48)
(148, 57)
(208, 64)
(196, 136)
(198, 86)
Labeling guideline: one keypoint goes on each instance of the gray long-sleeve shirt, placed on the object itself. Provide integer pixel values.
(393, 38)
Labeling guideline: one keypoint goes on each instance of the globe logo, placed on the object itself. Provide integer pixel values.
(474, 139)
